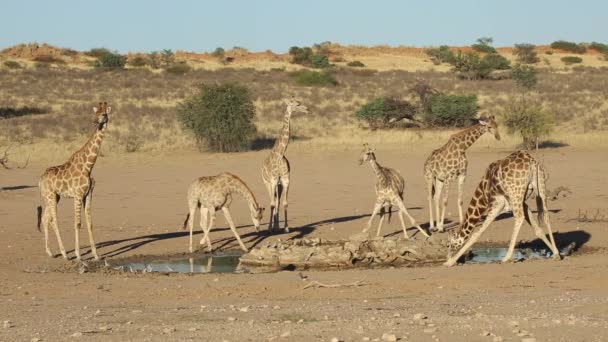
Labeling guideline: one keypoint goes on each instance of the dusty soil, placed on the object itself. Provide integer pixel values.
(139, 207)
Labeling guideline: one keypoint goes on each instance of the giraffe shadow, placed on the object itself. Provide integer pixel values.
(509, 214)
(579, 237)
(17, 187)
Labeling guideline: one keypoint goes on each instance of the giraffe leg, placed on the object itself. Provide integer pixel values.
(87, 214)
(493, 212)
(404, 211)
(191, 211)
(77, 223)
(285, 183)
(53, 211)
(45, 225)
(382, 214)
(374, 213)
(400, 214)
(461, 179)
(518, 214)
(206, 229)
(444, 203)
(270, 190)
(233, 228)
(539, 232)
(438, 191)
(211, 213)
(429, 189)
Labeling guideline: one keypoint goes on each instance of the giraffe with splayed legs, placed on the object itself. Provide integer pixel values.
(449, 163)
(505, 186)
(390, 187)
(276, 169)
(73, 180)
(213, 193)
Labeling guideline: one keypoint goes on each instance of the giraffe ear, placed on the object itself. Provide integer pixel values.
(95, 110)
(483, 121)
(108, 110)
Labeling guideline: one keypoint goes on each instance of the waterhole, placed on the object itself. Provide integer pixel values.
(482, 255)
(200, 264)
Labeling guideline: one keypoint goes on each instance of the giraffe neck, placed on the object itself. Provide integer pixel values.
(477, 207)
(241, 188)
(376, 168)
(463, 140)
(87, 155)
(280, 146)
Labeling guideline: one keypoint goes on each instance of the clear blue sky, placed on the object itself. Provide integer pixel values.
(139, 25)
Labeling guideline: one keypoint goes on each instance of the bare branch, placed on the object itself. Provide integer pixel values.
(315, 283)
(4, 160)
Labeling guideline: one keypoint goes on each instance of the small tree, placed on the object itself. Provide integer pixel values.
(568, 60)
(452, 110)
(531, 122)
(524, 76)
(221, 116)
(167, 57)
(154, 59)
(219, 53)
(483, 45)
(112, 60)
(382, 111)
(525, 53)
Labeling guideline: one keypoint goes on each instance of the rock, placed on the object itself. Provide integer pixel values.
(104, 328)
(7, 324)
(497, 339)
(523, 333)
(285, 334)
(528, 339)
(276, 307)
(419, 316)
(244, 309)
(389, 337)
(335, 339)
(129, 322)
(430, 330)
(300, 321)
(169, 330)
(557, 321)
(485, 333)
(513, 323)
(76, 334)
(192, 329)
(397, 315)
(231, 319)
(35, 339)
(365, 339)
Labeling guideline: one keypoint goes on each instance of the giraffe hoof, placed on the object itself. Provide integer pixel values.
(449, 263)
(556, 257)
(49, 253)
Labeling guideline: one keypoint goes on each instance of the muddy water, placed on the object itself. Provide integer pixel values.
(495, 254)
(201, 264)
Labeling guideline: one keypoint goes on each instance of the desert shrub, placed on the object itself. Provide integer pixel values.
(495, 61)
(599, 47)
(441, 54)
(138, 61)
(549, 52)
(524, 76)
(97, 52)
(568, 46)
(48, 59)
(525, 53)
(382, 111)
(178, 68)
(167, 58)
(471, 66)
(154, 59)
(319, 61)
(112, 60)
(300, 55)
(219, 52)
(221, 116)
(12, 65)
(356, 64)
(315, 78)
(424, 92)
(483, 45)
(451, 110)
(529, 121)
(571, 60)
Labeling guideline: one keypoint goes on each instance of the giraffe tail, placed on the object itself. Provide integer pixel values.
(39, 210)
(541, 197)
(186, 222)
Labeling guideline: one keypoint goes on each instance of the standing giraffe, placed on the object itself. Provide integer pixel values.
(389, 191)
(505, 186)
(448, 163)
(73, 180)
(213, 193)
(275, 169)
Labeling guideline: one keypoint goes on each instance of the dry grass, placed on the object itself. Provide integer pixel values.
(144, 103)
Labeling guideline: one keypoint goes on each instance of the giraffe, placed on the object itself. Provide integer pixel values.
(276, 168)
(389, 191)
(505, 186)
(448, 163)
(73, 180)
(212, 193)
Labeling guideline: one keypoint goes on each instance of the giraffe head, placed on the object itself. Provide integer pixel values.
(490, 125)
(257, 213)
(101, 115)
(455, 241)
(367, 154)
(295, 106)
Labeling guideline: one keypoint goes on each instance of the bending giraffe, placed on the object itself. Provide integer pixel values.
(276, 169)
(448, 163)
(73, 180)
(505, 186)
(390, 187)
(213, 193)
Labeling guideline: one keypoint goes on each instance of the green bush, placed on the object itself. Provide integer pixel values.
(495, 61)
(154, 59)
(471, 66)
(219, 53)
(112, 60)
(529, 121)
(12, 65)
(443, 54)
(524, 76)
(525, 53)
(178, 68)
(221, 116)
(97, 52)
(167, 58)
(568, 60)
(483, 45)
(138, 61)
(381, 111)
(599, 47)
(307, 57)
(48, 59)
(568, 46)
(549, 52)
(356, 64)
(300, 55)
(319, 61)
(451, 110)
(315, 78)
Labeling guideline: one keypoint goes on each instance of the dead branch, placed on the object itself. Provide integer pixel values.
(316, 284)
(4, 160)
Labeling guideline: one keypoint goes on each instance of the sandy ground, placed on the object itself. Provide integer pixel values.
(139, 206)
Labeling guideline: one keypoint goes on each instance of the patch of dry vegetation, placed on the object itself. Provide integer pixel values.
(144, 102)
